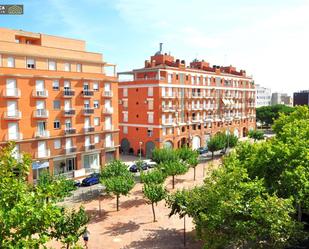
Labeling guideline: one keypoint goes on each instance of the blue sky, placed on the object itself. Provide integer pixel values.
(269, 39)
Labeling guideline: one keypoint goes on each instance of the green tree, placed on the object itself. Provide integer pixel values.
(155, 176)
(154, 193)
(256, 135)
(267, 114)
(164, 155)
(117, 179)
(54, 188)
(173, 168)
(189, 156)
(26, 219)
(193, 162)
(230, 209)
(215, 143)
(70, 227)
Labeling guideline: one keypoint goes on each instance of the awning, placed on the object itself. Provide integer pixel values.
(225, 101)
(40, 165)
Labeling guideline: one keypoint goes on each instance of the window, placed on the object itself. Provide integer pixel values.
(149, 132)
(95, 86)
(30, 63)
(56, 124)
(67, 67)
(125, 92)
(51, 65)
(150, 91)
(57, 144)
(169, 78)
(96, 121)
(125, 130)
(163, 131)
(78, 68)
(150, 104)
(96, 104)
(11, 62)
(150, 118)
(125, 117)
(55, 85)
(96, 139)
(56, 104)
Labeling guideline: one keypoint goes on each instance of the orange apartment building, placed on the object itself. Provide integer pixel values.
(57, 103)
(169, 104)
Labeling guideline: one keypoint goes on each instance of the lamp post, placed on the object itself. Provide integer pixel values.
(140, 150)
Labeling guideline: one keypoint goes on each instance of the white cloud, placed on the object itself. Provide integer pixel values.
(269, 40)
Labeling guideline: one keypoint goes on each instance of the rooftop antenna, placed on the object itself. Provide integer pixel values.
(161, 44)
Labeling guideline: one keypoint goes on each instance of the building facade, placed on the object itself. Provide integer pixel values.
(281, 99)
(57, 103)
(301, 98)
(167, 104)
(262, 96)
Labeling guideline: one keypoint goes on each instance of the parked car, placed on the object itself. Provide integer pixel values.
(77, 184)
(133, 168)
(91, 180)
(202, 150)
(151, 165)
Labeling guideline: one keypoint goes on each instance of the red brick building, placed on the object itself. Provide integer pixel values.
(169, 104)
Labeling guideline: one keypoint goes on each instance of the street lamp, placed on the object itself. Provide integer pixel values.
(140, 150)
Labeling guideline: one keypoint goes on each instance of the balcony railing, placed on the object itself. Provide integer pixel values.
(169, 96)
(109, 144)
(12, 115)
(109, 110)
(40, 93)
(68, 131)
(69, 112)
(89, 147)
(70, 150)
(89, 129)
(196, 120)
(14, 136)
(107, 94)
(41, 113)
(68, 93)
(108, 127)
(42, 134)
(88, 111)
(11, 93)
(168, 122)
(168, 108)
(42, 153)
(87, 93)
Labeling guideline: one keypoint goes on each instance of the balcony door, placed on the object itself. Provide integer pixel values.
(68, 143)
(11, 87)
(42, 149)
(39, 85)
(87, 123)
(13, 130)
(12, 108)
(67, 105)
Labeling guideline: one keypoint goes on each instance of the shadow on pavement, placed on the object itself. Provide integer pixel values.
(122, 228)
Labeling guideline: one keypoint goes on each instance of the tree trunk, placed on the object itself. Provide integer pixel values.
(212, 155)
(68, 245)
(173, 180)
(153, 212)
(299, 212)
(194, 172)
(117, 202)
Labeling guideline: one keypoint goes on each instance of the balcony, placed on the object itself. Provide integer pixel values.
(70, 150)
(69, 112)
(196, 95)
(169, 96)
(89, 147)
(41, 113)
(109, 110)
(68, 93)
(108, 127)
(69, 131)
(14, 136)
(208, 118)
(228, 118)
(169, 122)
(42, 153)
(87, 93)
(43, 134)
(107, 94)
(109, 144)
(11, 93)
(89, 129)
(12, 115)
(40, 93)
(168, 108)
(196, 120)
(88, 111)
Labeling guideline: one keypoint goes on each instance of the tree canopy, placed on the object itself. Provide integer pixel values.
(267, 114)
